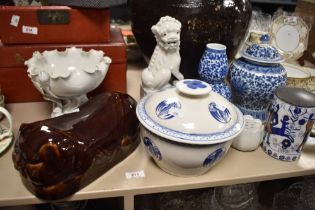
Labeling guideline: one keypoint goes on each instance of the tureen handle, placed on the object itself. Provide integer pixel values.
(193, 87)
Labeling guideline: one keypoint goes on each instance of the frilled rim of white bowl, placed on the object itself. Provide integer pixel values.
(39, 61)
(188, 138)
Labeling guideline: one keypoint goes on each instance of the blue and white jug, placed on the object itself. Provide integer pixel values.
(289, 124)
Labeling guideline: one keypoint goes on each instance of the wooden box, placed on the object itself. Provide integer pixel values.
(18, 87)
(53, 24)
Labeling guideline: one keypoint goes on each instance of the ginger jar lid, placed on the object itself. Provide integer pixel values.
(190, 113)
(262, 52)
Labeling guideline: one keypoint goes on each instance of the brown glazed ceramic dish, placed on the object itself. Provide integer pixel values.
(203, 22)
(57, 157)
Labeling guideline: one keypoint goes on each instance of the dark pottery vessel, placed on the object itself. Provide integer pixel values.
(57, 157)
(203, 21)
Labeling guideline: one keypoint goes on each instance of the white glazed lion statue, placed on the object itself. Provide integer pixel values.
(165, 59)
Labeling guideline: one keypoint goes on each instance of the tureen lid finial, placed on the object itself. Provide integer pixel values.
(193, 87)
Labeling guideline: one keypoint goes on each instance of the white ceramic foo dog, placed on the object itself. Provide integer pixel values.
(165, 59)
(66, 77)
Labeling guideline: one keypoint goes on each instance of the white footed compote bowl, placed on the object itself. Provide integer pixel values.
(65, 77)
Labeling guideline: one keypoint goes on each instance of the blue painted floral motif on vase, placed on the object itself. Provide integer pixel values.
(213, 65)
(254, 85)
(220, 113)
(167, 109)
(287, 130)
(262, 52)
(152, 148)
(223, 89)
(214, 157)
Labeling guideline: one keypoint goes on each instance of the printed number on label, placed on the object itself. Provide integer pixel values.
(135, 174)
(29, 30)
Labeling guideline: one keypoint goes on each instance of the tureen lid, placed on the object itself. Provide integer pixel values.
(262, 52)
(190, 113)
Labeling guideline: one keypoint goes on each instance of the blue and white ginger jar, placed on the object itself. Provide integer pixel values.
(255, 77)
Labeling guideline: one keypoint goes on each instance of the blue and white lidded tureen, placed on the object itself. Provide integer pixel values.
(255, 77)
(188, 128)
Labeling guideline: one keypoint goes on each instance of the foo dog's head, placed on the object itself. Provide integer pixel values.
(167, 33)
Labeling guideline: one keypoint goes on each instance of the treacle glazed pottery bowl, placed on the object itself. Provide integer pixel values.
(187, 129)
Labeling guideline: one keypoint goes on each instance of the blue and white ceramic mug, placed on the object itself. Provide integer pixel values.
(290, 121)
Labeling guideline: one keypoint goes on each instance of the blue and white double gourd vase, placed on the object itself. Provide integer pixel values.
(189, 128)
(213, 69)
(289, 124)
(255, 77)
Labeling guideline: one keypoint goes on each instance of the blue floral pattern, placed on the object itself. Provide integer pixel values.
(167, 109)
(213, 66)
(254, 85)
(223, 89)
(272, 69)
(195, 84)
(263, 52)
(214, 157)
(152, 148)
(275, 154)
(261, 114)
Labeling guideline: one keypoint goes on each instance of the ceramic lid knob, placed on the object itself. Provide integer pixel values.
(265, 39)
(193, 87)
